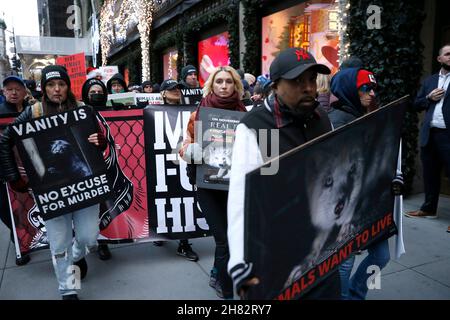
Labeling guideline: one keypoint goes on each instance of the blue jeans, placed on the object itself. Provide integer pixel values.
(356, 287)
(64, 250)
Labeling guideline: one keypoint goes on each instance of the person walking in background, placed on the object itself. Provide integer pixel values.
(434, 139)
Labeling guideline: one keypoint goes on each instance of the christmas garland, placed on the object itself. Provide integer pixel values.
(253, 36)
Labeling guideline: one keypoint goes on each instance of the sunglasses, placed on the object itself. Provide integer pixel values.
(366, 88)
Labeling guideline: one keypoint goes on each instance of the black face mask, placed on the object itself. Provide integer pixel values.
(445, 66)
(97, 99)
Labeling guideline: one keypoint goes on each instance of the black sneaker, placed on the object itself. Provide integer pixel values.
(23, 260)
(219, 291)
(185, 250)
(73, 296)
(82, 264)
(103, 252)
(213, 278)
(158, 243)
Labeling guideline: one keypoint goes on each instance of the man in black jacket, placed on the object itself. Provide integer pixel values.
(292, 110)
(15, 93)
(434, 139)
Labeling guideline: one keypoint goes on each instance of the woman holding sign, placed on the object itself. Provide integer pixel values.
(222, 90)
(58, 98)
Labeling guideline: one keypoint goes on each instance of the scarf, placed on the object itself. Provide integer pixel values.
(214, 101)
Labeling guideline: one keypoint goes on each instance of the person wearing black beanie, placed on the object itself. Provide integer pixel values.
(188, 79)
(66, 253)
(147, 87)
(94, 93)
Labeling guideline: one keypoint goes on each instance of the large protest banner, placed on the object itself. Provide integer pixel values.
(329, 198)
(66, 172)
(217, 139)
(18, 211)
(174, 212)
(126, 217)
(76, 69)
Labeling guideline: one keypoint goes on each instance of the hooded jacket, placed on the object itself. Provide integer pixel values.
(119, 78)
(348, 107)
(87, 85)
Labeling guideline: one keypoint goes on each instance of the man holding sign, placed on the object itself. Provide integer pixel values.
(290, 116)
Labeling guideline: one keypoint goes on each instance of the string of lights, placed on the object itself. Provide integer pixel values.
(343, 9)
(139, 11)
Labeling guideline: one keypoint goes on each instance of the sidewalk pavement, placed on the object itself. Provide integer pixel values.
(142, 271)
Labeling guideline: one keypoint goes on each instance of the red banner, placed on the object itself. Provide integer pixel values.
(76, 68)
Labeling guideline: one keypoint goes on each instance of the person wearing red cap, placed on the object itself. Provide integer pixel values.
(355, 89)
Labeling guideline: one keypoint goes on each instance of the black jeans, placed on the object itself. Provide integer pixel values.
(435, 155)
(214, 206)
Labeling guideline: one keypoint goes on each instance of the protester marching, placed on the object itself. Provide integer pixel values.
(293, 170)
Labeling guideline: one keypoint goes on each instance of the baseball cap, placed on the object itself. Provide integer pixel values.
(365, 77)
(169, 85)
(14, 79)
(292, 62)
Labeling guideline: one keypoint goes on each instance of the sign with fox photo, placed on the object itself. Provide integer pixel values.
(216, 130)
(330, 197)
(66, 172)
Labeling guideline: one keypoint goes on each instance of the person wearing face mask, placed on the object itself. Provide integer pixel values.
(94, 93)
(116, 84)
(222, 90)
(434, 139)
(58, 97)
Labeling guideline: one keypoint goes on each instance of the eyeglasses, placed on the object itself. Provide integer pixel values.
(366, 88)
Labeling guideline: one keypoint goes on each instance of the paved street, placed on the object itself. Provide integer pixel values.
(143, 271)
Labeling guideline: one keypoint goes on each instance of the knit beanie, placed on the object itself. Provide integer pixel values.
(186, 71)
(54, 72)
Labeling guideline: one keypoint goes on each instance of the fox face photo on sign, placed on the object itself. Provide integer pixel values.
(66, 172)
(339, 201)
